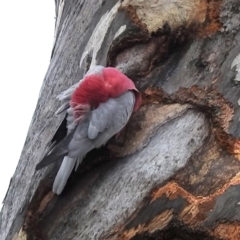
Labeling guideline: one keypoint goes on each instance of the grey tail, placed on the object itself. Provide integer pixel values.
(63, 174)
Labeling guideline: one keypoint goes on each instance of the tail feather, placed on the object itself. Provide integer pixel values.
(58, 152)
(63, 174)
(79, 160)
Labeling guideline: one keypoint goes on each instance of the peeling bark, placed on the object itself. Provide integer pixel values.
(176, 173)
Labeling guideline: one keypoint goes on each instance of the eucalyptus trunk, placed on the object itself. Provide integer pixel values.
(175, 174)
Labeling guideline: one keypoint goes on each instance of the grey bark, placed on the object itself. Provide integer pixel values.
(172, 161)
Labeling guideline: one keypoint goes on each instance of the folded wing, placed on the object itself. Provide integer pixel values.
(94, 130)
(101, 124)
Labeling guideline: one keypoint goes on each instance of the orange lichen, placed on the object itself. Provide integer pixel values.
(45, 202)
(194, 212)
(227, 231)
(157, 223)
(197, 206)
(212, 23)
(230, 143)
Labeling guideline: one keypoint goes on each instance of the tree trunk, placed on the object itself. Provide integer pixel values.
(176, 173)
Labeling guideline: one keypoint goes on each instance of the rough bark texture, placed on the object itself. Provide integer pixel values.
(176, 175)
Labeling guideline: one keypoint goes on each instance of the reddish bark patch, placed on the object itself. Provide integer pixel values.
(203, 16)
(227, 231)
(35, 209)
(192, 214)
(132, 14)
(212, 23)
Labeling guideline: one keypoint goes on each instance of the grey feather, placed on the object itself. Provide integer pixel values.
(120, 110)
(111, 116)
(108, 119)
(62, 108)
(71, 124)
(96, 69)
(63, 174)
(66, 95)
(93, 131)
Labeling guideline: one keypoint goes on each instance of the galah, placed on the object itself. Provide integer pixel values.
(98, 107)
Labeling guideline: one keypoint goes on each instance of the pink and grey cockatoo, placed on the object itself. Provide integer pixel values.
(98, 107)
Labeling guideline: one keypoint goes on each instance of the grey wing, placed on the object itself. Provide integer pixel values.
(110, 118)
(59, 149)
(94, 130)
(99, 125)
(65, 96)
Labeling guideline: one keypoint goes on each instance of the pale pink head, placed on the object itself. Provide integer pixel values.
(99, 87)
